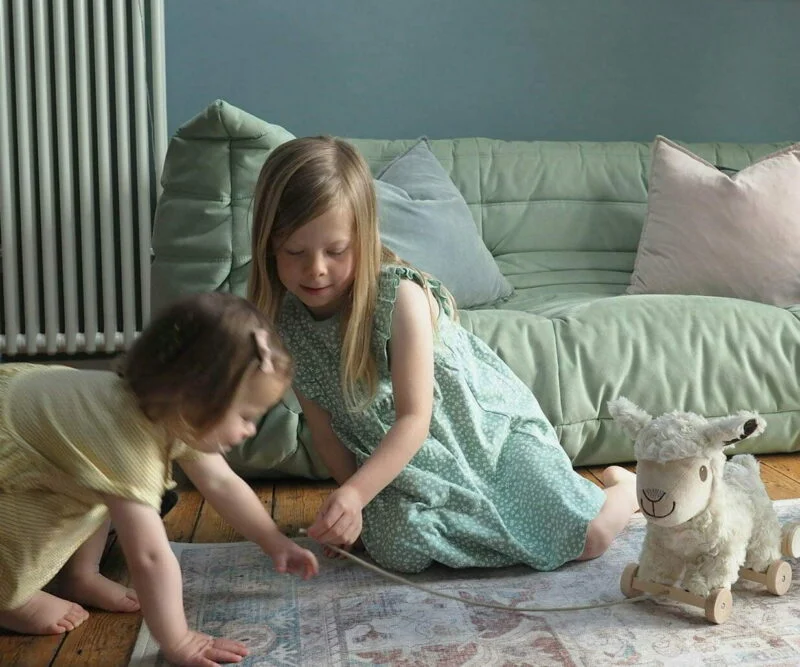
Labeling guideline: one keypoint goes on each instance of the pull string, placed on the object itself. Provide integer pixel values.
(477, 603)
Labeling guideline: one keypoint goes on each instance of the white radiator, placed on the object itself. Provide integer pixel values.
(82, 140)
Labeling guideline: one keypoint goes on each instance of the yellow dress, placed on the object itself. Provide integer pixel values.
(67, 437)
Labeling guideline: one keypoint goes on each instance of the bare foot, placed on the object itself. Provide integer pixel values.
(619, 506)
(95, 590)
(44, 614)
(614, 475)
(617, 475)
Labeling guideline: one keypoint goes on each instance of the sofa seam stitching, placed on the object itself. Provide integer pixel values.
(480, 193)
(558, 372)
(230, 205)
(560, 200)
(611, 419)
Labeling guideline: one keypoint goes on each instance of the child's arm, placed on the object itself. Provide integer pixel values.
(156, 577)
(340, 461)
(411, 352)
(236, 502)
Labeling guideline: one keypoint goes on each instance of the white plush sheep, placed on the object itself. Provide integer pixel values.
(706, 517)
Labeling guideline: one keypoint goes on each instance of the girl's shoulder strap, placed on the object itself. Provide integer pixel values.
(388, 284)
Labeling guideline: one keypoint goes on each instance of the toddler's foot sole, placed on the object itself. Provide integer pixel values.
(44, 614)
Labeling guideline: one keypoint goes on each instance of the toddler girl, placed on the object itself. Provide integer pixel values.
(431, 437)
(80, 449)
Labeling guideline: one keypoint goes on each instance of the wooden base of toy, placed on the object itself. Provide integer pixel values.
(790, 540)
(777, 579)
(718, 605)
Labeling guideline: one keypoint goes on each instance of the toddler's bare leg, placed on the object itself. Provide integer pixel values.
(44, 614)
(620, 504)
(80, 579)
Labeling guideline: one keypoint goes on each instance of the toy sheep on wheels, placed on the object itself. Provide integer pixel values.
(709, 520)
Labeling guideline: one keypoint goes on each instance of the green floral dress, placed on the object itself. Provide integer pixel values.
(491, 485)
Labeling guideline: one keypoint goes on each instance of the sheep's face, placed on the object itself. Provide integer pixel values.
(674, 492)
(679, 454)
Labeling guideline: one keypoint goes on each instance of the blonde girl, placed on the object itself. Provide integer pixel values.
(80, 449)
(441, 453)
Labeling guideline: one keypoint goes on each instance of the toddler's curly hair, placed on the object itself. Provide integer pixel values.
(188, 363)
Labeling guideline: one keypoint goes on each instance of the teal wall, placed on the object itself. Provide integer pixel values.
(694, 70)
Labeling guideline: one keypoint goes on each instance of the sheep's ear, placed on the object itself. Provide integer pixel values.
(628, 415)
(727, 431)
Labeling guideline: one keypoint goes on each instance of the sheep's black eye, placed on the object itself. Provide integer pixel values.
(703, 473)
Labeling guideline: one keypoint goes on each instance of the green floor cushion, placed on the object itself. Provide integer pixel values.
(712, 355)
(281, 447)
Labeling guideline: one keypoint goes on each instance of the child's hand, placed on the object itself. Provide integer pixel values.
(358, 545)
(198, 650)
(290, 557)
(339, 518)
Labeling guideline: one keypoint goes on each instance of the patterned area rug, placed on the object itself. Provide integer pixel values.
(350, 616)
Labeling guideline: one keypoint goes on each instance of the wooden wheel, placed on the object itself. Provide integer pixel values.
(626, 582)
(719, 605)
(778, 577)
(790, 541)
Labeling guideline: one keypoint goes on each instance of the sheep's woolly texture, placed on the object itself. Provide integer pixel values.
(711, 516)
(669, 437)
(677, 435)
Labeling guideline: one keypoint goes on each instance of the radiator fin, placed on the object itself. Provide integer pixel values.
(83, 137)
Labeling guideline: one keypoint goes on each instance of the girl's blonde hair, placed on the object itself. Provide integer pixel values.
(189, 362)
(301, 180)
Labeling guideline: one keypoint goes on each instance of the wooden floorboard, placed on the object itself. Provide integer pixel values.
(212, 528)
(16, 651)
(296, 505)
(783, 463)
(591, 475)
(107, 639)
(182, 519)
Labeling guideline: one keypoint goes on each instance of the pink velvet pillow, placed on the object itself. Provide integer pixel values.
(711, 233)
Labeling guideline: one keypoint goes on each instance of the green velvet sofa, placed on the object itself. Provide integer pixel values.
(562, 220)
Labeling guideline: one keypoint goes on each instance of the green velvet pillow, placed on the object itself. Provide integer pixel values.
(425, 220)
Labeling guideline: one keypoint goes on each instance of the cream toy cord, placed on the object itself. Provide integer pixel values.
(491, 605)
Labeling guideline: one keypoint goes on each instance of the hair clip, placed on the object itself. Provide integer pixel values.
(263, 350)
